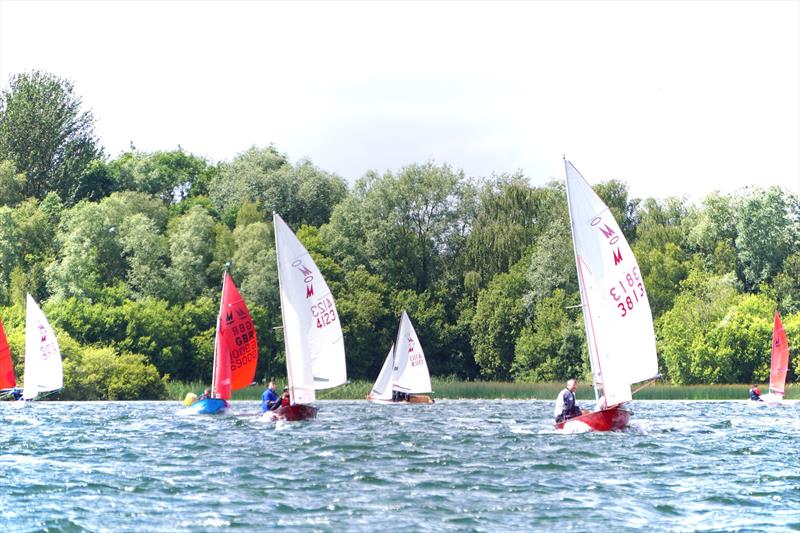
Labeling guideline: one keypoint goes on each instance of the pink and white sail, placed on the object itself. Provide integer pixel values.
(311, 329)
(43, 370)
(616, 311)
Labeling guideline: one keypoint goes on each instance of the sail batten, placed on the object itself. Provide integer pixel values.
(617, 318)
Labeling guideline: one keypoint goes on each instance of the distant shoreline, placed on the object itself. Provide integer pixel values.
(499, 390)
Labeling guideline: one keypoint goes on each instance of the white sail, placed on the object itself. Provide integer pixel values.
(619, 324)
(311, 331)
(382, 390)
(410, 369)
(43, 371)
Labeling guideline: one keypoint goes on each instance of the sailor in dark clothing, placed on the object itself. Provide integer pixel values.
(284, 400)
(566, 406)
(755, 394)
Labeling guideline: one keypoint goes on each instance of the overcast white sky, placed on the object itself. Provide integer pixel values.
(672, 97)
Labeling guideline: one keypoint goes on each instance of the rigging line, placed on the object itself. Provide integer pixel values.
(649, 382)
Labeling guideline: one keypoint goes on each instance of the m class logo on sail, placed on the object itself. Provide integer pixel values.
(308, 277)
(610, 235)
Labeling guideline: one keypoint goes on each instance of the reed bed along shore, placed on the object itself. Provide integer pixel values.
(495, 390)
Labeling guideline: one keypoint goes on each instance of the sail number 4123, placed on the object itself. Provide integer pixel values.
(628, 291)
(324, 312)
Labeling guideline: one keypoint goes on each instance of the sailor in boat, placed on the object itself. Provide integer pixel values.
(284, 400)
(206, 394)
(566, 406)
(755, 394)
(398, 396)
(269, 400)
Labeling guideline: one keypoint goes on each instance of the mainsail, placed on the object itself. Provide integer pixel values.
(311, 330)
(43, 371)
(616, 311)
(780, 358)
(235, 343)
(7, 380)
(410, 369)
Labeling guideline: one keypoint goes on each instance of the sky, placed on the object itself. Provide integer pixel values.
(675, 98)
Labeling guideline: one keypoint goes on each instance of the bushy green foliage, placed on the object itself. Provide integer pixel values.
(103, 374)
(127, 256)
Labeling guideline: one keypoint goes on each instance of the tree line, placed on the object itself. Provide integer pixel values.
(127, 253)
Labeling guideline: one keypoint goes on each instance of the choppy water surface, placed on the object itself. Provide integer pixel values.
(455, 465)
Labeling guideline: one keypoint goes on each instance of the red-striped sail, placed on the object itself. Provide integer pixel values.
(235, 348)
(780, 357)
(7, 380)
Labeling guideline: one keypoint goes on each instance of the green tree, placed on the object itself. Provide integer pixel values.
(95, 373)
(687, 352)
(510, 216)
(169, 176)
(767, 233)
(787, 284)
(191, 241)
(301, 193)
(12, 184)
(410, 228)
(712, 232)
(553, 347)
(45, 133)
(146, 251)
(499, 318)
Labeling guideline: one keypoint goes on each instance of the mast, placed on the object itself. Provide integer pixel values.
(584, 304)
(283, 306)
(216, 333)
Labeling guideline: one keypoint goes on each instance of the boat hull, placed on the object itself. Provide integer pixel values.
(293, 413)
(414, 398)
(610, 419)
(208, 406)
(772, 399)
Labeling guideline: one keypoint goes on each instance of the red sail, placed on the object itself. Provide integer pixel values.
(7, 380)
(780, 357)
(236, 349)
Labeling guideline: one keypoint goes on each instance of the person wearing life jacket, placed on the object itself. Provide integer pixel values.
(755, 394)
(566, 407)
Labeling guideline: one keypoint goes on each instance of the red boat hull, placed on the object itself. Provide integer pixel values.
(610, 419)
(294, 413)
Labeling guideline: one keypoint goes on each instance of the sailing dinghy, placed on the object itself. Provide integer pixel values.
(779, 363)
(616, 311)
(235, 351)
(312, 333)
(404, 377)
(43, 370)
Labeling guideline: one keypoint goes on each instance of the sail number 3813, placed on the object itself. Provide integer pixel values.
(324, 312)
(628, 291)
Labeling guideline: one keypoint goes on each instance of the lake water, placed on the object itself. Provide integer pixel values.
(452, 466)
